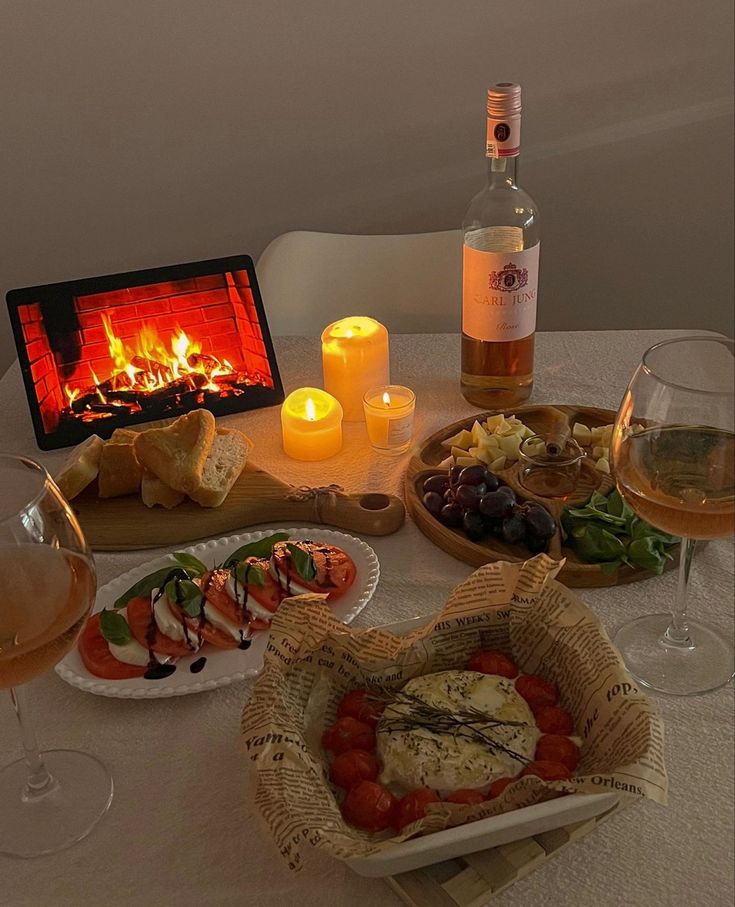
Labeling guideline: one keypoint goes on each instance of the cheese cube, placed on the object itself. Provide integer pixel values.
(462, 439)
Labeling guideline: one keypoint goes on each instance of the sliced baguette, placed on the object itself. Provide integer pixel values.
(81, 467)
(154, 491)
(120, 472)
(177, 454)
(224, 464)
(123, 436)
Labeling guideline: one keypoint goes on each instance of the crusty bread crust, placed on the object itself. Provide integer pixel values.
(177, 454)
(120, 472)
(81, 467)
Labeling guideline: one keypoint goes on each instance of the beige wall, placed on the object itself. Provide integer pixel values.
(140, 133)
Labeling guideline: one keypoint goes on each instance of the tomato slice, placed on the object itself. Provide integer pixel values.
(268, 596)
(97, 658)
(144, 630)
(335, 569)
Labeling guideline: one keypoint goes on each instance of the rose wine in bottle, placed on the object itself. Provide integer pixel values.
(500, 268)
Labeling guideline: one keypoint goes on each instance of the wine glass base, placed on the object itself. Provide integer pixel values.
(61, 817)
(705, 664)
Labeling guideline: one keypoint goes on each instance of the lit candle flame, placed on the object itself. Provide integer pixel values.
(386, 398)
(310, 410)
(348, 332)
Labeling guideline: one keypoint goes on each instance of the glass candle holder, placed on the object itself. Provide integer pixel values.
(389, 418)
(547, 475)
(311, 423)
(355, 357)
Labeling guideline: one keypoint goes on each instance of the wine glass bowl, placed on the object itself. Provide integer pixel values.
(673, 454)
(53, 799)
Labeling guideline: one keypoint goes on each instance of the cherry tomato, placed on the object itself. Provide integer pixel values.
(335, 569)
(359, 704)
(466, 796)
(143, 627)
(97, 658)
(351, 767)
(553, 720)
(412, 806)
(548, 771)
(348, 734)
(498, 786)
(370, 806)
(536, 691)
(268, 596)
(489, 661)
(556, 748)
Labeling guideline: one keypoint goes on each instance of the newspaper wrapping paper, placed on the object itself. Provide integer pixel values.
(313, 660)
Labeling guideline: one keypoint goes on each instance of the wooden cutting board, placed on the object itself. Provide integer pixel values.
(575, 573)
(119, 524)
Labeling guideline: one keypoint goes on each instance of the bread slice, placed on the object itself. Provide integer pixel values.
(81, 467)
(177, 454)
(123, 435)
(224, 464)
(120, 471)
(154, 491)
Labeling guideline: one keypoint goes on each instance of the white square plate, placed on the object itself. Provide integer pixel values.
(474, 836)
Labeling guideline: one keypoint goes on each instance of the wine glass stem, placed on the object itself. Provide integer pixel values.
(39, 782)
(677, 633)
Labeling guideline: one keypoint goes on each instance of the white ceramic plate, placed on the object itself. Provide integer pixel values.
(454, 842)
(223, 666)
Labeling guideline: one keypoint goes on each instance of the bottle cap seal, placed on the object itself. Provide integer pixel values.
(503, 120)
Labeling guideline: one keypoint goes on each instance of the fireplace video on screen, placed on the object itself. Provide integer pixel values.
(96, 361)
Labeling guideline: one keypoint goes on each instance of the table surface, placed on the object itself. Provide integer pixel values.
(182, 828)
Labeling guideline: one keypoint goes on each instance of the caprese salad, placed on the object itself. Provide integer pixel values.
(174, 611)
(458, 736)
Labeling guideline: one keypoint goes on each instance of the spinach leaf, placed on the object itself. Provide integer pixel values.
(261, 548)
(616, 506)
(114, 628)
(647, 552)
(595, 544)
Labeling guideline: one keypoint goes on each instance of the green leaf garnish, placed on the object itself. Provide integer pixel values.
(250, 574)
(261, 548)
(617, 506)
(187, 595)
(303, 562)
(145, 586)
(114, 628)
(647, 552)
(192, 565)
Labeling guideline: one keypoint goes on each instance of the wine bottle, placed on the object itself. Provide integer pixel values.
(500, 268)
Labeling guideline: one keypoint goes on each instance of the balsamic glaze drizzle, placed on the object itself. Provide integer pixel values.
(196, 666)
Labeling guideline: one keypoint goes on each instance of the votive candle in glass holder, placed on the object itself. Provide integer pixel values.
(311, 423)
(389, 418)
(355, 357)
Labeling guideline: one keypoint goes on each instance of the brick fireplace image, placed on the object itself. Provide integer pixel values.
(94, 361)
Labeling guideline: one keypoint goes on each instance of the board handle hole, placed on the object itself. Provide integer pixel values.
(374, 501)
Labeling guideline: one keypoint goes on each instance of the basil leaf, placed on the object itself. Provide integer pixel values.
(617, 506)
(303, 562)
(189, 597)
(114, 628)
(599, 501)
(192, 565)
(639, 529)
(261, 548)
(595, 544)
(250, 574)
(145, 586)
(647, 553)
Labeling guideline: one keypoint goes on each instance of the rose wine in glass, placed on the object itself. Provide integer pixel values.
(673, 450)
(50, 800)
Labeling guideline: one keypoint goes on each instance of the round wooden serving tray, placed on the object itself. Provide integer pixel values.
(540, 419)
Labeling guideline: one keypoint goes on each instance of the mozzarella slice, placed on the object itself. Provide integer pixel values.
(169, 624)
(290, 585)
(218, 619)
(235, 590)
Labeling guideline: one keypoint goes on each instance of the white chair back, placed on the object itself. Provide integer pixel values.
(412, 283)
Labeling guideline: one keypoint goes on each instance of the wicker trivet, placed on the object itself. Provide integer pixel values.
(474, 879)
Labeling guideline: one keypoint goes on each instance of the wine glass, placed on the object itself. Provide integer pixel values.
(673, 453)
(47, 800)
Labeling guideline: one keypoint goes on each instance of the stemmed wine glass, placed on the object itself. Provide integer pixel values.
(47, 801)
(673, 452)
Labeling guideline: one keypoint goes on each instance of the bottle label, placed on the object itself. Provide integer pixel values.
(503, 136)
(499, 290)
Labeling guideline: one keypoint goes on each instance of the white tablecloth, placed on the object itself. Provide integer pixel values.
(182, 829)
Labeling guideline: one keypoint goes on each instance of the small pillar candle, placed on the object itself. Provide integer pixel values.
(389, 417)
(311, 423)
(355, 358)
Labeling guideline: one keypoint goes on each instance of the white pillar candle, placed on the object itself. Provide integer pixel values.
(355, 358)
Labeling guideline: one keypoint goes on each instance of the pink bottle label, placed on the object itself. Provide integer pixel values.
(499, 293)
